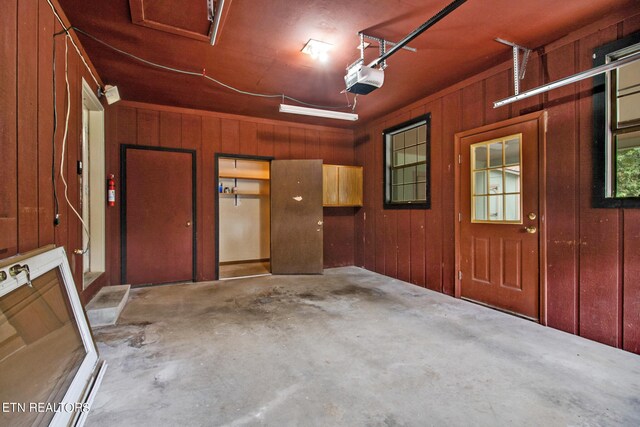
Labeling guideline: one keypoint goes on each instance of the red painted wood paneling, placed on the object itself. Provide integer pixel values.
(562, 195)
(27, 132)
(45, 124)
(600, 233)
(433, 217)
(149, 128)
(8, 130)
(170, 129)
(631, 263)
(451, 123)
(206, 226)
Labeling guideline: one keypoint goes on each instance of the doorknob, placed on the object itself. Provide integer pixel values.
(188, 224)
(531, 230)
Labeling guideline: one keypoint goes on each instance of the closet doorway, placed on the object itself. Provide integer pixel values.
(244, 217)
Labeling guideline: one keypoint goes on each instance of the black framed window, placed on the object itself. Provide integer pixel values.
(407, 164)
(617, 126)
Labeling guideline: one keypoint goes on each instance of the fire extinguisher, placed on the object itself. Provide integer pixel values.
(111, 190)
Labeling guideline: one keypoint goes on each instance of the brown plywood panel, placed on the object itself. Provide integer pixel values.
(600, 229)
(8, 171)
(359, 159)
(27, 144)
(170, 130)
(149, 127)
(296, 217)
(45, 125)
(562, 203)
(206, 227)
(159, 236)
(369, 201)
(631, 310)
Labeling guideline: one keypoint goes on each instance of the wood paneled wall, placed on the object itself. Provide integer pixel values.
(210, 133)
(593, 255)
(27, 29)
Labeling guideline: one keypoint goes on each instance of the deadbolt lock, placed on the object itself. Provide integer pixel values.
(531, 230)
(320, 222)
(532, 216)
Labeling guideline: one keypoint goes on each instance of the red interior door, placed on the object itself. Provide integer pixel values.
(158, 205)
(499, 221)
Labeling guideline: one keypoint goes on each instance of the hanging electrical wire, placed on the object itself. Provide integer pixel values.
(64, 145)
(204, 75)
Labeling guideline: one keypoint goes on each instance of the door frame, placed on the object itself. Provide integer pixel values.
(219, 156)
(123, 204)
(541, 118)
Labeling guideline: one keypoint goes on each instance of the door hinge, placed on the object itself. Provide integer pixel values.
(459, 274)
(459, 159)
(459, 216)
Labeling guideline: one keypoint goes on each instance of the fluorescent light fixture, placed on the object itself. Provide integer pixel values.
(329, 114)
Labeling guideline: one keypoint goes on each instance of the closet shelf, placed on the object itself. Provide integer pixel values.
(243, 193)
(252, 177)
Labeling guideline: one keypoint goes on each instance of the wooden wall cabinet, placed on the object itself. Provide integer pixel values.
(342, 185)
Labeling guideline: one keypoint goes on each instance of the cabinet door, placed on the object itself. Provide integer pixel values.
(350, 185)
(330, 185)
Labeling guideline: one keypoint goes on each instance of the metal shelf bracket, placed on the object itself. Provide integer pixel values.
(519, 65)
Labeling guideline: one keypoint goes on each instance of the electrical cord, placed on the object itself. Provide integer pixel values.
(64, 146)
(204, 75)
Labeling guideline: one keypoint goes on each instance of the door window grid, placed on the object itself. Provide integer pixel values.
(495, 181)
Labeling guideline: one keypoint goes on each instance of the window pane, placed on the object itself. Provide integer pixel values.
(628, 165)
(398, 158)
(410, 137)
(422, 152)
(629, 108)
(512, 207)
(480, 179)
(398, 141)
(409, 174)
(495, 182)
(512, 179)
(409, 192)
(411, 155)
(480, 204)
(495, 154)
(422, 172)
(398, 176)
(481, 157)
(495, 208)
(422, 133)
(512, 152)
(395, 193)
(421, 191)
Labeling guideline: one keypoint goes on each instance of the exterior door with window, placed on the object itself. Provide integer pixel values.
(498, 248)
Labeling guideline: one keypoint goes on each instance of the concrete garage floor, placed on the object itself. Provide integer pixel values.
(350, 348)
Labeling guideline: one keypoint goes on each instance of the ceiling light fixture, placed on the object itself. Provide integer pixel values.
(328, 114)
(317, 50)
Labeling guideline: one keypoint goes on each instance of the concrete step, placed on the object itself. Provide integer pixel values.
(105, 308)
